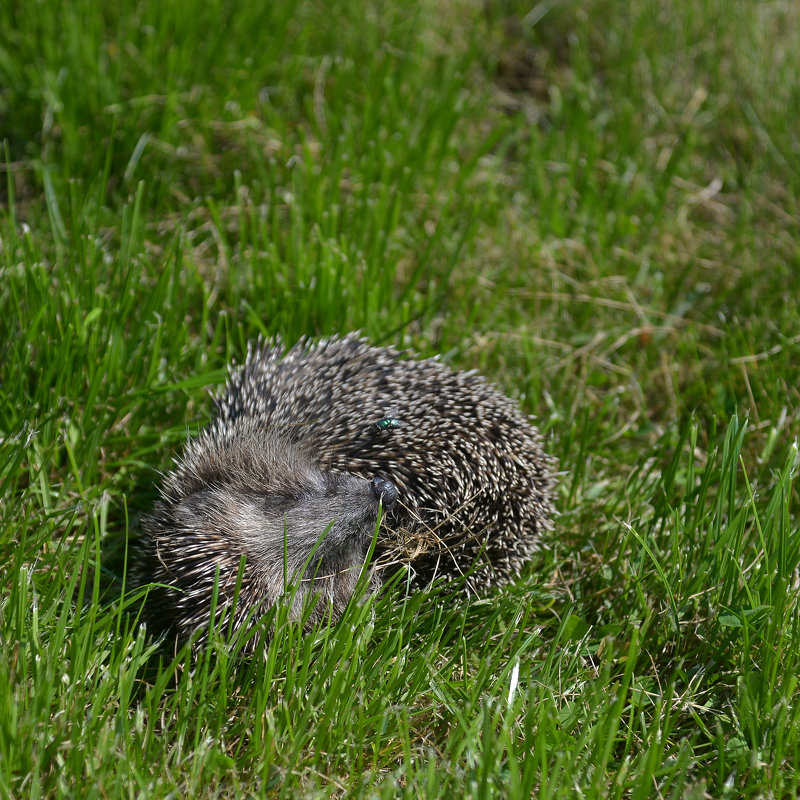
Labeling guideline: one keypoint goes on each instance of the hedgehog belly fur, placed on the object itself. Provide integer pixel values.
(244, 492)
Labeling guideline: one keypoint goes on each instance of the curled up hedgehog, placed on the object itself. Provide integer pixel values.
(283, 488)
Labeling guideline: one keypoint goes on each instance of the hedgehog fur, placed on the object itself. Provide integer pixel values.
(305, 444)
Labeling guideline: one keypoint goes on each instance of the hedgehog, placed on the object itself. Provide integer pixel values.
(310, 446)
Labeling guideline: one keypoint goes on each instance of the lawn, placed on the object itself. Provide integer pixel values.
(595, 204)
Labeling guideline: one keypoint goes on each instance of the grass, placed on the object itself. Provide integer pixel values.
(595, 204)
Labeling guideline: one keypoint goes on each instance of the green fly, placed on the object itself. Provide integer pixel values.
(387, 424)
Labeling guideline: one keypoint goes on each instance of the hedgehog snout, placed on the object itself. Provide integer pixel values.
(385, 491)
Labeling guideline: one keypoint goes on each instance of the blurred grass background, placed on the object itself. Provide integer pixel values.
(594, 203)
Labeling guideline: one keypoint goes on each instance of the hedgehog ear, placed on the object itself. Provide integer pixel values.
(192, 512)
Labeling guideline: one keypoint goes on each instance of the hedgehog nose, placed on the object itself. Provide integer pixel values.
(385, 491)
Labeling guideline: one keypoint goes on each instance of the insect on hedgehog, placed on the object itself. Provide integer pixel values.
(306, 445)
